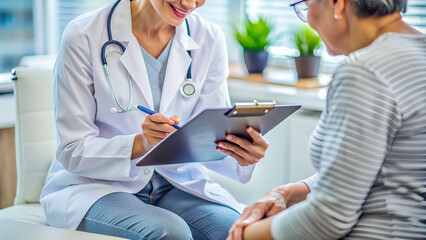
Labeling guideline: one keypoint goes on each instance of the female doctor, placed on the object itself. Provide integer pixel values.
(158, 56)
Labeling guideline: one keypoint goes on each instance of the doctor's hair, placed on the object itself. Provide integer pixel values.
(378, 8)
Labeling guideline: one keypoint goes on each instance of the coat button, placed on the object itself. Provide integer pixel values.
(146, 171)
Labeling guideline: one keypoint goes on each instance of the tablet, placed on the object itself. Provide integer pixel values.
(196, 140)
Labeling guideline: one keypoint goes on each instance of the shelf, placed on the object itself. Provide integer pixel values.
(279, 76)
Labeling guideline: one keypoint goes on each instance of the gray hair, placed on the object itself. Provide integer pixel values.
(369, 8)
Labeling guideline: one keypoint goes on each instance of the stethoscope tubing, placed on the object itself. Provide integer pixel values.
(110, 39)
(189, 73)
(104, 55)
(123, 48)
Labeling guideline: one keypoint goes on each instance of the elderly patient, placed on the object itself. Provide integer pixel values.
(369, 147)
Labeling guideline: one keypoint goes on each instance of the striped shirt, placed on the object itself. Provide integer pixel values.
(369, 149)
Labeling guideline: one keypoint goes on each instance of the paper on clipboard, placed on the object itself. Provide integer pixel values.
(196, 140)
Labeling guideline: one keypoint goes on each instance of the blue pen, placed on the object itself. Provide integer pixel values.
(150, 112)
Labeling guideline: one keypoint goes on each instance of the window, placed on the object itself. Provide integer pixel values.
(35, 26)
(223, 13)
(16, 32)
(70, 9)
(416, 14)
(285, 20)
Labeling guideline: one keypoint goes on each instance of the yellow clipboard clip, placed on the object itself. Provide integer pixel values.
(254, 108)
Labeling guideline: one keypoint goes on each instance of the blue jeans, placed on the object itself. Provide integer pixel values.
(159, 211)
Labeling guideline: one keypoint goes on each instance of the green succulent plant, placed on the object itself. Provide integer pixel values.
(255, 35)
(306, 40)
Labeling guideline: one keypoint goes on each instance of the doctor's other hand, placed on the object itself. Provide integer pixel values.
(156, 127)
(244, 151)
(273, 202)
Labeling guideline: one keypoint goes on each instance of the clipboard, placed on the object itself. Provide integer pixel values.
(196, 140)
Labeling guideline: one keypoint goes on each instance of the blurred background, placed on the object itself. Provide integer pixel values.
(34, 27)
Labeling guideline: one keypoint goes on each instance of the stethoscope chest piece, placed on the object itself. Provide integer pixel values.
(188, 88)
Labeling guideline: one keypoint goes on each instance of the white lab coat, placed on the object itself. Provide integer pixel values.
(94, 145)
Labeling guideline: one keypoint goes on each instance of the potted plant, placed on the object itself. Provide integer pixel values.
(254, 39)
(307, 41)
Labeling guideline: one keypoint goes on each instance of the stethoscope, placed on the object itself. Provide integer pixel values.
(188, 88)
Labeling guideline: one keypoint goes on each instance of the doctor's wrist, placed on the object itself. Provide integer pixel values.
(139, 148)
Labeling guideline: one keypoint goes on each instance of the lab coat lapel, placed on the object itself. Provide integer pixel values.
(177, 65)
(132, 58)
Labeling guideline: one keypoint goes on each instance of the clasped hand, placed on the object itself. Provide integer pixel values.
(273, 202)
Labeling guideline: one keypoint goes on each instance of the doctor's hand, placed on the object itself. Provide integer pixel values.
(245, 152)
(156, 127)
(273, 202)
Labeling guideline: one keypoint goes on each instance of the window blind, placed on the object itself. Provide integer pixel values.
(284, 16)
(285, 20)
(16, 32)
(277, 11)
(416, 14)
(217, 11)
(225, 14)
(70, 9)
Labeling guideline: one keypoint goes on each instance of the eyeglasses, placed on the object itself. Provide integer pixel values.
(301, 9)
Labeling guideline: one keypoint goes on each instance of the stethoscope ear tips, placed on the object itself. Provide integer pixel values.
(113, 110)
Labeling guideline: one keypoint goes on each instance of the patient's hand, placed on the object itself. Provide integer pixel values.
(273, 202)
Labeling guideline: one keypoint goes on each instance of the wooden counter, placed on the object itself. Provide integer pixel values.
(7, 167)
(278, 76)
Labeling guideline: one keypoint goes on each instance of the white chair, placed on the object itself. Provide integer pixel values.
(35, 142)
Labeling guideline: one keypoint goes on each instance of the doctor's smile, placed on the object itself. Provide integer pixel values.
(180, 13)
